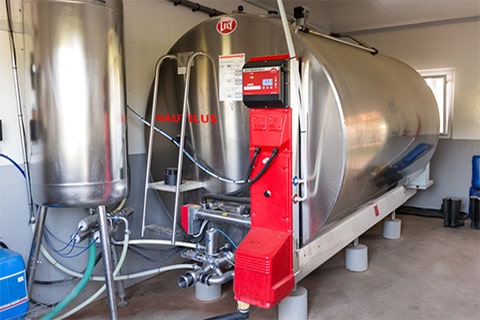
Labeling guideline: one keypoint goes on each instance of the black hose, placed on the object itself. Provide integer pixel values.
(232, 316)
(252, 162)
(224, 197)
(258, 176)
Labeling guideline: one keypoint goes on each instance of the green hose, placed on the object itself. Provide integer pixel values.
(92, 252)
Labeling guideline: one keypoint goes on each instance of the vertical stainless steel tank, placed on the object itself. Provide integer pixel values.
(373, 122)
(78, 126)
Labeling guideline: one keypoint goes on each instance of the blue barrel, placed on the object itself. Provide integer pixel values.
(13, 286)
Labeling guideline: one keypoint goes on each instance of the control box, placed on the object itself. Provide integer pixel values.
(265, 82)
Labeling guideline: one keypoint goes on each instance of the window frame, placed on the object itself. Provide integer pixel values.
(445, 110)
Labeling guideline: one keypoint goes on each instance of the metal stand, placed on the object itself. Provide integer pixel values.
(107, 260)
(35, 248)
(120, 287)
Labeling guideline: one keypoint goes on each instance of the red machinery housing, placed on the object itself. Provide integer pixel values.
(264, 259)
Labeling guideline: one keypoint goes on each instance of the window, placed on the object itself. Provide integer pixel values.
(441, 83)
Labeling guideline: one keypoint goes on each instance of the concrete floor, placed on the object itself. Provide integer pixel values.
(432, 272)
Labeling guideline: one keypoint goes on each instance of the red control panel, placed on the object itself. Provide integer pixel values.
(265, 82)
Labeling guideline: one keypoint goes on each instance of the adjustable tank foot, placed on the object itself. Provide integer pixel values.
(207, 293)
(294, 306)
(356, 257)
(392, 228)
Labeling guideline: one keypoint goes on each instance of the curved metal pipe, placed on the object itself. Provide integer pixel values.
(224, 278)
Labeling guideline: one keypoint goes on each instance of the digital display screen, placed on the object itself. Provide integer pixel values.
(267, 82)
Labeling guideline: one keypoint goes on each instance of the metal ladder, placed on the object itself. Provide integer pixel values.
(180, 186)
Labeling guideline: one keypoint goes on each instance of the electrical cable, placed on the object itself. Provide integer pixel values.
(50, 282)
(426, 213)
(189, 156)
(223, 197)
(226, 237)
(68, 244)
(252, 162)
(202, 229)
(14, 163)
(68, 271)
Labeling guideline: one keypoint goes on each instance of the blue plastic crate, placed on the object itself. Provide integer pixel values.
(13, 285)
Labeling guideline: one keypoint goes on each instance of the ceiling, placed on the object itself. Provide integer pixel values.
(363, 15)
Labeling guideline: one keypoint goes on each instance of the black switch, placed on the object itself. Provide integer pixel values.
(1, 130)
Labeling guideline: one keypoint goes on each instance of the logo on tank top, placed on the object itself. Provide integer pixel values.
(226, 25)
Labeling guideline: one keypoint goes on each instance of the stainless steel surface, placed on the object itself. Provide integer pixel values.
(75, 50)
(372, 120)
(35, 248)
(211, 241)
(103, 228)
(223, 216)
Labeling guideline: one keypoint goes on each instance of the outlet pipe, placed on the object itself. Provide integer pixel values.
(215, 280)
(92, 253)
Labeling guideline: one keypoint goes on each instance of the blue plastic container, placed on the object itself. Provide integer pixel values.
(476, 172)
(13, 286)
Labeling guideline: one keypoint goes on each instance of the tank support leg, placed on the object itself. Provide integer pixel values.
(392, 227)
(107, 260)
(35, 248)
(120, 287)
(356, 257)
(294, 306)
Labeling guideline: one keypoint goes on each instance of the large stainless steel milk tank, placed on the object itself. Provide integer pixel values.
(372, 123)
